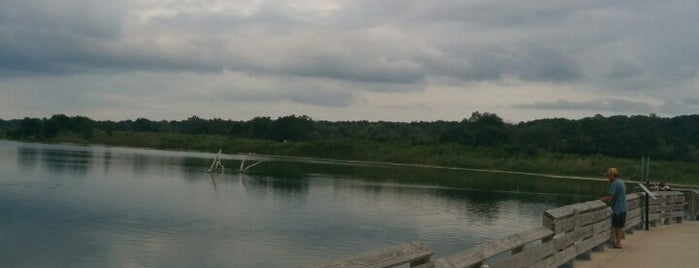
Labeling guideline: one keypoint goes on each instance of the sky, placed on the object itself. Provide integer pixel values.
(337, 60)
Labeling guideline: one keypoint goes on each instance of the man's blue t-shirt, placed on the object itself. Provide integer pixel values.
(618, 192)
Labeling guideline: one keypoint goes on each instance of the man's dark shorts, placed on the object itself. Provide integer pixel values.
(618, 220)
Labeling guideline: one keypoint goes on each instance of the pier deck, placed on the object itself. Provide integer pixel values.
(674, 245)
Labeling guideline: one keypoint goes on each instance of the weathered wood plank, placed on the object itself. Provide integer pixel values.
(425, 265)
(527, 258)
(482, 252)
(667, 199)
(386, 257)
(666, 215)
(594, 217)
(630, 223)
(588, 244)
(666, 193)
(569, 239)
(634, 213)
(633, 204)
(442, 263)
(571, 222)
(666, 208)
(569, 210)
(603, 226)
(556, 259)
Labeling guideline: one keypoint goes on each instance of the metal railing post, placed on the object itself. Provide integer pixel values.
(647, 210)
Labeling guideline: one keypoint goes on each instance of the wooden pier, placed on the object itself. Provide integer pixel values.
(568, 233)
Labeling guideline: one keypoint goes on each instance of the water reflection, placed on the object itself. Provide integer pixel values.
(159, 208)
(453, 178)
(194, 168)
(61, 161)
(280, 186)
(107, 160)
(214, 177)
(28, 157)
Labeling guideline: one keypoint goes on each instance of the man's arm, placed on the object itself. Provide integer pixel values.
(606, 198)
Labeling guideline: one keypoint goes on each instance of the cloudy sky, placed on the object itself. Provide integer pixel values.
(392, 60)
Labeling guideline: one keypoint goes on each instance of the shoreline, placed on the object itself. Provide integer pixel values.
(363, 162)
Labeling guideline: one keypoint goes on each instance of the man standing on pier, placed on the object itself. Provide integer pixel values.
(617, 199)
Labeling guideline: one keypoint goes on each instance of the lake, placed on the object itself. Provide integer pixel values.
(97, 206)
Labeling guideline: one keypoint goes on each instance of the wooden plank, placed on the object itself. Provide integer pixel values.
(594, 216)
(569, 210)
(482, 252)
(633, 222)
(557, 258)
(672, 203)
(666, 215)
(588, 244)
(569, 239)
(425, 265)
(603, 226)
(676, 207)
(634, 213)
(666, 208)
(654, 210)
(668, 193)
(443, 263)
(386, 257)
(633, 204)
(676, 214)
(569, 223)
(527, 258)
(563, 225)
(669, 214)
(634, 198)
(668, 199)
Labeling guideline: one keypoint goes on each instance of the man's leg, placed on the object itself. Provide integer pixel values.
(618, 232)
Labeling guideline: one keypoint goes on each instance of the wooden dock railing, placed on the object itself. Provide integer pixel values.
(567, 233)
(692, 199)
(667, 207)
(414, 253)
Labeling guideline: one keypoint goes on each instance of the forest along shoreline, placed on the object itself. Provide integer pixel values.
(363, 162)
(565, 148)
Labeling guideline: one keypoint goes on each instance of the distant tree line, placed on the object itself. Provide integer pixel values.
(670, 139)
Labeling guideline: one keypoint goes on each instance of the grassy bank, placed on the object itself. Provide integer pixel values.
(441, 155)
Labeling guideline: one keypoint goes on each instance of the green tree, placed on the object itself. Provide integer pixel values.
(144, 125)
(195, 125)
(259, 127)
(30, 128)
(83, 126)
(489, 129)
(49, 129)
(291, 128)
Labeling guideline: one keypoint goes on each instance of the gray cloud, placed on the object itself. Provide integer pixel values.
(39, 36)
(302, 93)
(606, 105)
(328, 53)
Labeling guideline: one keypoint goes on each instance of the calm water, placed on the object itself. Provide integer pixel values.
(76, 206)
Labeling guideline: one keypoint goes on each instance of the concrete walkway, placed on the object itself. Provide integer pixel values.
(675, 245)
